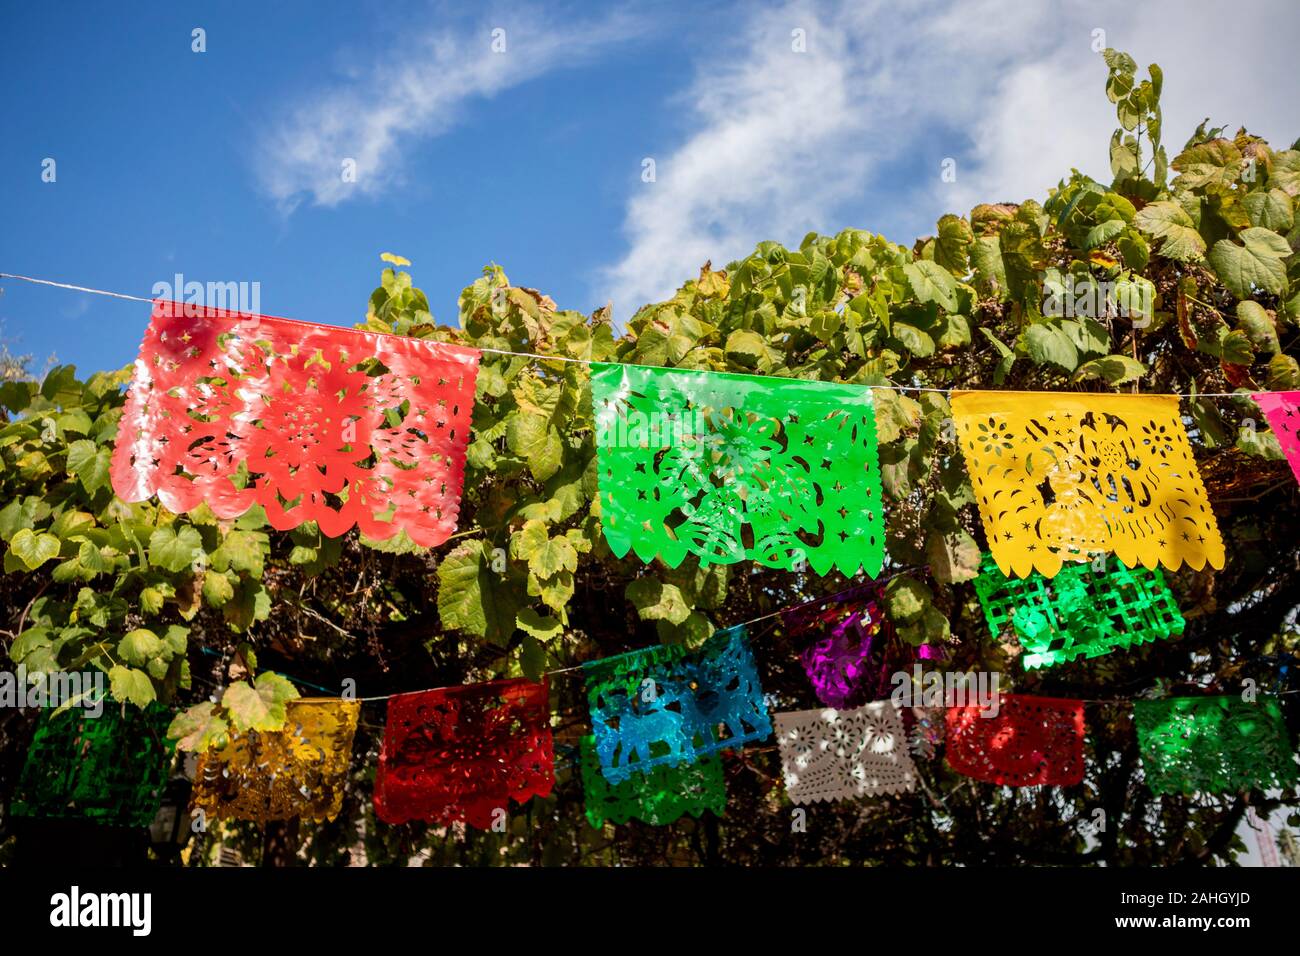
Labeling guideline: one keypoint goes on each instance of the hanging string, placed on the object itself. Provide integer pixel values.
(535, 356)
(564, 358)
(74, 288)
(539, 357)
(577, 667)
(747, 623)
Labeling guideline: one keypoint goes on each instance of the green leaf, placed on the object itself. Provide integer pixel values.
(1022, 251)
(18, 514)
(656, 601)
(140, 646)
(217, 589)
(907, 599)
(1007, 360)
(825, 323)
(1260, 445)
(532, 438)
(932, 628)
(472, 597)
(251, 603)
(72, 525)
(913, 340)
(986, 259)
(241, 551)
(1047, 342)
(1134, 249)
(1112, 369)
(1088, 336)
(1257, 263)
(1169, 222)
(176, 640)
(953, 558)
(931, 282)
(546, 556)
(28, 641)
(199, 728)
(692, 632)
(1216, 163)
(131, 685)
(895, 414)
(174, 550)
(1254, 320)
(542, 627)
(251, 520)
(748, 349)
(29, 550)
(951, 245)
(399, 543)
(1283, 373)
(34, 466)
(1103, 233)
(1285, 172)
(957, 333)
(1123, 154)
(15, 396)
(89, 464)
(532, 658)
(1235, 348)
(1122, 66)
(60, 385)
(572, 487)
(1135, 297)
(1269, 209)
(151, 601)
(260, 706)
(554, 591)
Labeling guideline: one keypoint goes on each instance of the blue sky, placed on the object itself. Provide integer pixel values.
(225, 165)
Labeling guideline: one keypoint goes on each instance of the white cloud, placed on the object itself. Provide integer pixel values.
(1048, 113)
(1042, 119)
(783, 142)
(758, 161)
(409, 95)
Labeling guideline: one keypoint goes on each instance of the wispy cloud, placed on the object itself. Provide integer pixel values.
(783, 141)
(769, 155)
(1046, 113)
(359, 126)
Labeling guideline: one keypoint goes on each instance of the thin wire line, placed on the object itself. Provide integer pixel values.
(578, 667)
(748, 623)
(1129, 700)
(213, 652)
(75, 288)
(565, 358)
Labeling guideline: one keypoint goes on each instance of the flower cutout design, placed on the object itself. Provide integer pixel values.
(780, 471)
(235, 411)
(1157, 439)
(1084, 473)
(994, 436)
(840, 754)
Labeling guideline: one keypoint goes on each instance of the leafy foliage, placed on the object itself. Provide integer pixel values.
(1189, 283)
